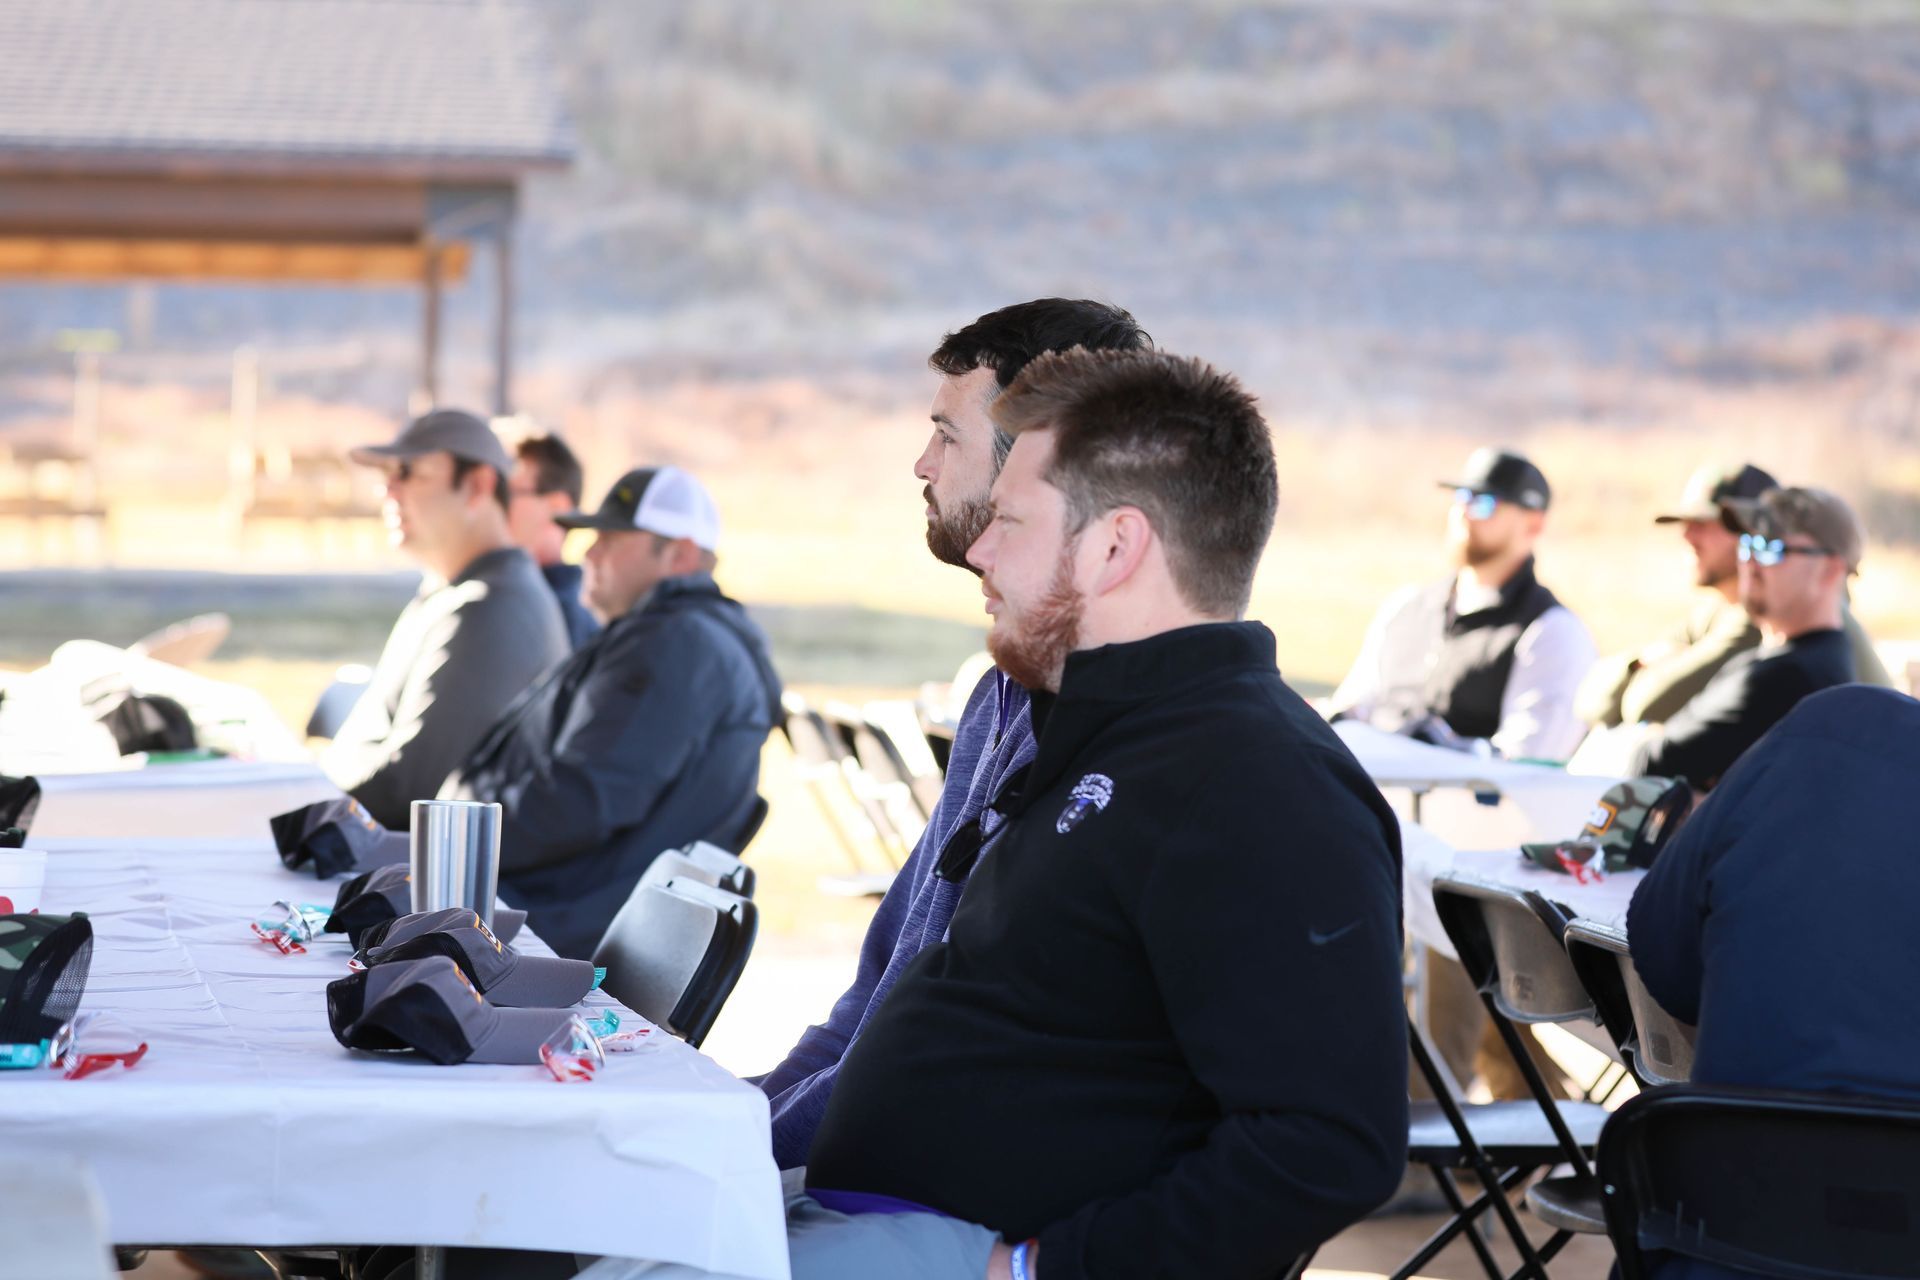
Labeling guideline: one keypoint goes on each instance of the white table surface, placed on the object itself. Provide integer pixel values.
(247, 1123)
(198, 799)
(1535, 802)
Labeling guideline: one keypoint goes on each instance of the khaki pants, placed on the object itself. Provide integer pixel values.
(1466, 1039)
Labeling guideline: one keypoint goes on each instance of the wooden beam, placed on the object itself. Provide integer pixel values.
(113, 258)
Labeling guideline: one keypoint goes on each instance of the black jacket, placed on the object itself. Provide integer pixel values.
(1748, 697)
(1165, 1030)
(644, 740)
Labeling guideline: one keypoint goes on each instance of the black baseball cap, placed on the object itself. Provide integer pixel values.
(369, 904)
(1506, 475)
(455, 431)
(429, 1007)
(506, 976)
(335, 836)
(1711, 487)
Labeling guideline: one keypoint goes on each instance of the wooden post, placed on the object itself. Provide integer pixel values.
(430, 334)
(503, 321)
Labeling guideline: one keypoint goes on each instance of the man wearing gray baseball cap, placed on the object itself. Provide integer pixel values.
(482, 628)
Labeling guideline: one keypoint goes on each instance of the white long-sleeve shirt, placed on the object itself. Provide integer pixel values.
(1551, 657)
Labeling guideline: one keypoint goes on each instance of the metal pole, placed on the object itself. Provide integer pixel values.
(430, 1263)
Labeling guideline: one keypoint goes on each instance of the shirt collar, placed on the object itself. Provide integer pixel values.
(1099, 686)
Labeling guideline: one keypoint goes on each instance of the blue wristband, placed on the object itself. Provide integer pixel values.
(1020, 1271)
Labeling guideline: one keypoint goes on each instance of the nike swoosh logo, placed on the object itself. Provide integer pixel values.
(1320, 939)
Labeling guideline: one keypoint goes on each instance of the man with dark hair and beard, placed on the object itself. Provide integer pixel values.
(1163, 1034)
(994, 736)
(1487, 654)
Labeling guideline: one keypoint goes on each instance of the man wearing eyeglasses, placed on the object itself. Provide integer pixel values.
(1487, 654)
(1797, 549)
(546, 482)
(1651, 684)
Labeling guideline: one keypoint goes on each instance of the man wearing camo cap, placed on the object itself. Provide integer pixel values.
(1652, 683)
(1797, 549)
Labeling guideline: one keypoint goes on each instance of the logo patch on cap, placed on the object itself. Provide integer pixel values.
(1601, 820)
(1090, 795)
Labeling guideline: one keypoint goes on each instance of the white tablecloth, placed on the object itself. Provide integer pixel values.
(247, 1123)
(199, 799)
(1424, 856)
(1535, 802)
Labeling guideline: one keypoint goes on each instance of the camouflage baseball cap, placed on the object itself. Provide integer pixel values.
(1629, 825)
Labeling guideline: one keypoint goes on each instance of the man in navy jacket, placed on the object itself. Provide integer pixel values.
(648, 737)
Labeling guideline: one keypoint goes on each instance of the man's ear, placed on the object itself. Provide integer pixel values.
(478, 483)
(1124, 539)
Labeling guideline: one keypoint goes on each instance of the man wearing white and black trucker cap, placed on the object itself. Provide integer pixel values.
(482, 628)
(648, 737)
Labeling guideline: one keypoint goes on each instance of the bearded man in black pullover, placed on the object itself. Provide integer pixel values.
(1164, 1035)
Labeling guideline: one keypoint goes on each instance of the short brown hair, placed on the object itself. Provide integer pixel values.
(1175, 437)
(555, 469)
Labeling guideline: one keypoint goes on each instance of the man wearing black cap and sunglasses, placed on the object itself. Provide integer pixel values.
(1487, 654)
(1797, 551)
(648, 737)
(1650, 685)
(482, 628)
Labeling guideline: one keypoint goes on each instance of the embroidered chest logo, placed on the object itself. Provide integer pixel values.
(1089, 796)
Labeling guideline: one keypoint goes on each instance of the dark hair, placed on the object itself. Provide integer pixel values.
(1176, 438)
(462, 467)
(555, 469)
(1009, 339)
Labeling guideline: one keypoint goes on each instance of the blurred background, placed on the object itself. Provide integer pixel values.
(237, 238)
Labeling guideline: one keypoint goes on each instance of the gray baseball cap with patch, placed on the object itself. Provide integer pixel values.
(430, 1007)
(370, 904)
(336, 836)
(504, 975)
(455, 431)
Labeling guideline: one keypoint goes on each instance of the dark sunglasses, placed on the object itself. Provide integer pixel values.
(1768, 552)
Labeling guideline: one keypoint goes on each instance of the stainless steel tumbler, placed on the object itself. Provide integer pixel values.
(455, 855)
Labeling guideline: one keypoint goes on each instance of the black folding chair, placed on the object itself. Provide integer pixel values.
(675, 953)
(1797, 1185)
(1502, 1144)
(1511, 945)
(1657, 1046)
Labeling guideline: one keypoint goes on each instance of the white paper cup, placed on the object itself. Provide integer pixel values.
(23, 874)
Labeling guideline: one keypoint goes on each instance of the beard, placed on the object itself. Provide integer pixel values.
(950, 533)
(1032, 644)
(1471, 554)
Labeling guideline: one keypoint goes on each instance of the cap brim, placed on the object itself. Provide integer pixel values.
(514, 1036)
(581, 520)
(1682, 517)
(372, 455)
(542, 982)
